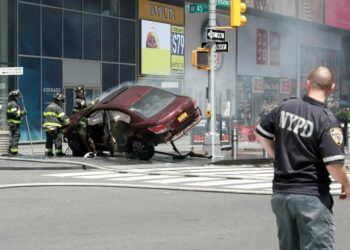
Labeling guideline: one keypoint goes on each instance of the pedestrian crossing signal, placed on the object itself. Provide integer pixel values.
(200, 58)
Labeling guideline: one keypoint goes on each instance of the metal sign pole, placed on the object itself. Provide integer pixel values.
(212, 24)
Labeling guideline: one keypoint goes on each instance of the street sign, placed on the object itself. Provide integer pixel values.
(216, 35)
(223, 3)
(5, 71)
(221, 46)
(199, 8)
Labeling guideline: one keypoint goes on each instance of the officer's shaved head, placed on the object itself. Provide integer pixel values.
(321, 77)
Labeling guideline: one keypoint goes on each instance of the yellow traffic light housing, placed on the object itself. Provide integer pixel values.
(236, 9)
(200, 58)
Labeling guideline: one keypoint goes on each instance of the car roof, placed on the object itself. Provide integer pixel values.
(126, 96)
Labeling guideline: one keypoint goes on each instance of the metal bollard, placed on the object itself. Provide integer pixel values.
(234, 143)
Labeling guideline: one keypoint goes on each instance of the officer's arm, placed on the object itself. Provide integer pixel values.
(268, 145)
(339, 173)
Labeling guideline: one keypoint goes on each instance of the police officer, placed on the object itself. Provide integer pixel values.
(14, 120)
(79, 102)
(54, 120)
(306, 142)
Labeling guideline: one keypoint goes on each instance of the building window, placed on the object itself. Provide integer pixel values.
(29, 84)
(110, 39)
(110, 7)
(29, 29)
(92, 6)
(73, 4)
(127, 9)
(92, 37)
(31, 1)
(127, 44)
(72, 35)
(56, 3)
(127, 73)
(52, 32)
(110, 76)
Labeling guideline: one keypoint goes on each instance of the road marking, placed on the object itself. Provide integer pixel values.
(252, 186)
(143, 177)
(170, 169)
(102, 176)
(80, 173)
(218, 183)
(180, 179)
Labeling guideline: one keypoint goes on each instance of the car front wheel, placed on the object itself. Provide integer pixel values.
(142, 150)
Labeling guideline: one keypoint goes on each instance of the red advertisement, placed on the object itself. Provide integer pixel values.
(261, 46)
(337, 13)
(275, 48)
(246, 133)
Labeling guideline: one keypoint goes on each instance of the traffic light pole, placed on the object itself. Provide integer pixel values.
(212, 24)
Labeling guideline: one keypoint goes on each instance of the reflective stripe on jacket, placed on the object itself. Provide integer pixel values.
(14, 113)
(54, 117)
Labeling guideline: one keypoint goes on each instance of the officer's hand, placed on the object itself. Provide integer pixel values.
(345, 192)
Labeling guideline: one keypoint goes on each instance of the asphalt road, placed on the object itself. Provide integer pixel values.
(68, 217)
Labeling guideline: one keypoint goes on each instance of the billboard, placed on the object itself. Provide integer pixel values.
(337, 14)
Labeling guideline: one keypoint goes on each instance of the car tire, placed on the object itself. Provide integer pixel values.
(76, 147)
(142, 150)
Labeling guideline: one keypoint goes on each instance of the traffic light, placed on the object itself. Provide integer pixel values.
(200, 58)
(236, 9)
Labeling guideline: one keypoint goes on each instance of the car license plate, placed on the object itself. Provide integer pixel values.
(182, 117)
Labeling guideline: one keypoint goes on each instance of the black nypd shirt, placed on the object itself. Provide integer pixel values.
(307, 137)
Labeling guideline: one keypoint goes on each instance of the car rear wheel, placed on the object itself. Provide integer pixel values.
(142, 150)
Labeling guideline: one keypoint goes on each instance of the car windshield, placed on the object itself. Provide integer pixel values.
(153, 102)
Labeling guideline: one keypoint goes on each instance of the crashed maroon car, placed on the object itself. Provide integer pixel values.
(134, 120)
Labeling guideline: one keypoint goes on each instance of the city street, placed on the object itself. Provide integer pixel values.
(142, 206)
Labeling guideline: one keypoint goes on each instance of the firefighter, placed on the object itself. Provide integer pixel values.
(79, 102)
(14, 120)
(54, 121)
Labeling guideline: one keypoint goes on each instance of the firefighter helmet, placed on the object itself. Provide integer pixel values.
(79, 89)
(59, 97)
(15, 93)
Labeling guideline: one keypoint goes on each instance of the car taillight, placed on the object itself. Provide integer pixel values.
(159, 129)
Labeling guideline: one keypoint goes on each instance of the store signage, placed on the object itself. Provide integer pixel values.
(6, 71)
(216, 35)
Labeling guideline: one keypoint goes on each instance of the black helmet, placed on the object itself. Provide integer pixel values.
(79, 89)
(15, 93)
(59, 97)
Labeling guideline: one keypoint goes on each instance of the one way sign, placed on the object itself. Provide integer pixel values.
(216, 35)
(221, 46)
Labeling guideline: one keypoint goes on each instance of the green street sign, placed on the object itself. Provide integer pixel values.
(203, 7)
(199, 8)
(223, 3)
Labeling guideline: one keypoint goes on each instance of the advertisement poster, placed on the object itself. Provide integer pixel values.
(177, 50)
(261, 46)
(258, 85)
(155, 48)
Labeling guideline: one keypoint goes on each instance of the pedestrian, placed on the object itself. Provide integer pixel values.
(79, 102)
(14, 120)
(306, 143)
(54, 121)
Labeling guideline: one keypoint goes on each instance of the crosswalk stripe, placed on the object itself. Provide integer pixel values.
(231, 170)
(80, 173)
(252, 186)
(179, 180)
(105, 176)
(170, 169)
(143, 177)
(219, 182)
